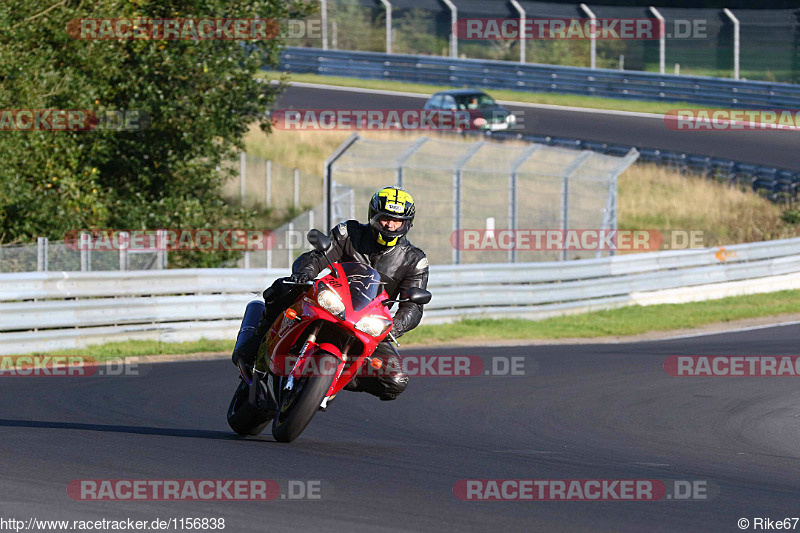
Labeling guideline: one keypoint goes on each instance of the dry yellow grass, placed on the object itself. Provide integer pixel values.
(652, 197)
(305, 150)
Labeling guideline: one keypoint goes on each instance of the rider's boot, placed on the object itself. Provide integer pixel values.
(386, 383)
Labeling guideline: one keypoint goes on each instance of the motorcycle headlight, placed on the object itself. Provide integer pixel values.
(374, 325)
(331, 302)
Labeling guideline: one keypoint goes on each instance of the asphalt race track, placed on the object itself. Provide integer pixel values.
(578, 412)
(766, 147)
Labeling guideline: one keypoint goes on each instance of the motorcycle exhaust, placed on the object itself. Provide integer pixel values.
(246, 341)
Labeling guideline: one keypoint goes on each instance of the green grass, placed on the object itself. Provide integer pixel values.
(517, 96)
(118, 350)
(617, 322)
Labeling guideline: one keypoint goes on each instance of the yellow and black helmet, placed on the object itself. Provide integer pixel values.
(392, 202)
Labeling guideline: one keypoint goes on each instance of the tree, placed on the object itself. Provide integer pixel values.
(195, 100)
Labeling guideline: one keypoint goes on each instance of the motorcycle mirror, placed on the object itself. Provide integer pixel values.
(418, 296)
(319, 240)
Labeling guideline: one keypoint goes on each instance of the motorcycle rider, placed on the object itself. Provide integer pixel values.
(381, 244)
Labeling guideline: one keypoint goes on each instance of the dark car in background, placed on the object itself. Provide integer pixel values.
(485, 113)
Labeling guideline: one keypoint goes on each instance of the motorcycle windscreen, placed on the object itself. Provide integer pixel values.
(365, 283)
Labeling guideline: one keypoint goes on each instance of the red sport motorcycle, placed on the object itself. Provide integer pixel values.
(314, 349)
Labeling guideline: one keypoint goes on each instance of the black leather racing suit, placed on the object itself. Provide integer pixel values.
(401, 267)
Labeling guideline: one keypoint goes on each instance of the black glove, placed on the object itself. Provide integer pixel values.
(299, 277)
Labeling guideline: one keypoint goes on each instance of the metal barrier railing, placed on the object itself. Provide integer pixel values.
(543, 78)
(52, 310)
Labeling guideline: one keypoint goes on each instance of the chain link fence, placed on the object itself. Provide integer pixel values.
(54, 256)
(259, 183)
(263, 183)
(484, 186)
(699, 41)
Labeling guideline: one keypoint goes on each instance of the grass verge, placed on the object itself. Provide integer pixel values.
(617, 322)
(594, 102)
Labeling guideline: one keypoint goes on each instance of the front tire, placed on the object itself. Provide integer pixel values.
(298, 406)
(243, 417)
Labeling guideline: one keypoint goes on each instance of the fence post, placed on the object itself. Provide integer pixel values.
(522, 40)
(242, 172)
(269, 182)
(453, 23)
(86, 256)
(41, 254)
(327, 183)
(592, 35)
(388, 7)
(662, 40)
(471, 150)
(398, 173)
(161, 251)
(735, 42)
(289, 243)
(565, 196)
(296, 188)
(123, 241)
(324, 17)
(512, 195)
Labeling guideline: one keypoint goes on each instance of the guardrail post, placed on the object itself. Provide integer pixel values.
(522, 40)
(662, 40)
(592, 35)
(41, 254)
(735, 42)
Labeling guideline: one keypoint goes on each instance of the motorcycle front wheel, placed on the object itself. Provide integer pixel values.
(299, 405)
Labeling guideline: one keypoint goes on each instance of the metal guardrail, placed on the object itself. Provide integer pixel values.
(543, 78)
(48, 310)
